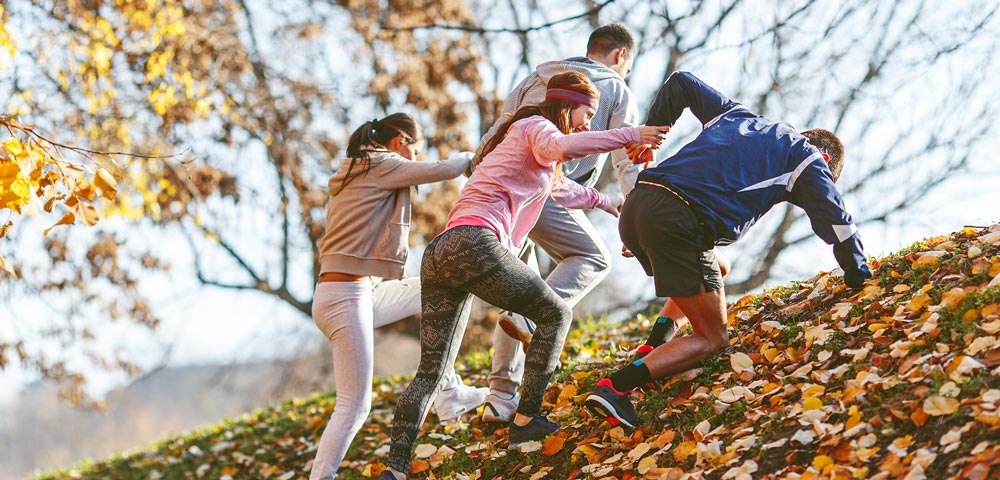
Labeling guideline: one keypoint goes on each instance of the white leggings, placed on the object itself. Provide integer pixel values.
(347, 313)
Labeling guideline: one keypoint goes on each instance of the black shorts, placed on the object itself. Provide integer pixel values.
(667, 238)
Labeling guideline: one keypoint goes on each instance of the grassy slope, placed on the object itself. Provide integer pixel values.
(900, 378)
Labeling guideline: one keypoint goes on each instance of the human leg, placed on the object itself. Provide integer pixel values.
(672, 318)
(666, 237)
(509, 284)
(343, 312)
(582, 262)
(444, 316)
(399, 299)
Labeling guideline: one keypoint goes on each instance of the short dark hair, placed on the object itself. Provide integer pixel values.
(829, 144)
(610, 37)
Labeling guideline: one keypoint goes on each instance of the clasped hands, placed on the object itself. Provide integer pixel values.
(642, 152)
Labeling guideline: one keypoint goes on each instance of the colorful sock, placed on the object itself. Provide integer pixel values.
(633, 375)
(663, 327)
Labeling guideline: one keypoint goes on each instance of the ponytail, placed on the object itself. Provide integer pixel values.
(375, 134)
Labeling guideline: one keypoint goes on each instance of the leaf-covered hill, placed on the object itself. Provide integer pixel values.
(898, 380)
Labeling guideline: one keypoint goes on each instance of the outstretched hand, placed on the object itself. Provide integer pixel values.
(653, 136)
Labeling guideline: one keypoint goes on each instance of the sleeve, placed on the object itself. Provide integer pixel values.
(549, 145)
(626, 115)
(813, 190)
(684, 90)
(573, 195)
(400, 172)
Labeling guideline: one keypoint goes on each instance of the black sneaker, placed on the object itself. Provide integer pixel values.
(537, 429)
(611, 405)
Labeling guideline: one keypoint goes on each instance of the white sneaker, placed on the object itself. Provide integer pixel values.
(500, 408)
(457, 398)
(517, 327)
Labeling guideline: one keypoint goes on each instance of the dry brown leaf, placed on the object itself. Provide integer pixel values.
(639, 450)
(646, 464)
(741, 362)
(67, 219)
(552, 445)
(106, 183)
(937, 405)
(424, 450)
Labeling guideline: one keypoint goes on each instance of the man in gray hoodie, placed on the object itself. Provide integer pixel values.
(566, 235)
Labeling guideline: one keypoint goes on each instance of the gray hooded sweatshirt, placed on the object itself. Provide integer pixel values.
(617, 108)
(368, 222)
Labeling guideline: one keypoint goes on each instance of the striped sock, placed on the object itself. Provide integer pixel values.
(633, 375)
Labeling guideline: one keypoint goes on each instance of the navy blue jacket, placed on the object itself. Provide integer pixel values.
(742, 164)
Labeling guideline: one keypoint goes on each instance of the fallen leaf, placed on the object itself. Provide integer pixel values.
(937, 405)
(552, 445)
(741, 362)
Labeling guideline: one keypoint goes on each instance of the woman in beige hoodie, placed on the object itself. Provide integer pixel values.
(360, 286)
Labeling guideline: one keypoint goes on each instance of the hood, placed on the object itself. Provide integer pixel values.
(596, 71)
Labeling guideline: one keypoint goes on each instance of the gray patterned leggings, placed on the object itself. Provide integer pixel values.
(462, 262)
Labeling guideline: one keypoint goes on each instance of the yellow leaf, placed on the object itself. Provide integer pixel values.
(874, 327)
(822, 461)
(770, 354)
(741, 362)
(685, 450)
(952, 297)
(918, 302)
(587, 450)
(902, 287)
(5, 228)
(994, 269)
(811, 403)
(67, 219)
(87, 213)
(936, 405)
(566, 395)
(106, 183)
(926, 260)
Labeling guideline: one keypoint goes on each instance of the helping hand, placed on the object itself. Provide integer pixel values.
(639, 153)
(653, 136)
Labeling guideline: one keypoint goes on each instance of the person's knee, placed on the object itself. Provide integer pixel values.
(352, 414)
(718, 340)
(565, 312)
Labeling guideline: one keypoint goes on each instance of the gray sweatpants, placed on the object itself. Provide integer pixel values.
(582, 262)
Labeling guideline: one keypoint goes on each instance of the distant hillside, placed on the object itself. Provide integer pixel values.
(898, 380)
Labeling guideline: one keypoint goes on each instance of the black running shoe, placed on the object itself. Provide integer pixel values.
(611, 405)
(386, 475)
(537, 429)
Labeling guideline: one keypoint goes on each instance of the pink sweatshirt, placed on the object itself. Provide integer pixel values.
(508, 189)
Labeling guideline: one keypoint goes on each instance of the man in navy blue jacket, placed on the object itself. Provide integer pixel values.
(710, 193)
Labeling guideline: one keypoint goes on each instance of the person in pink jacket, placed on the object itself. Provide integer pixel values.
(477, 252)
